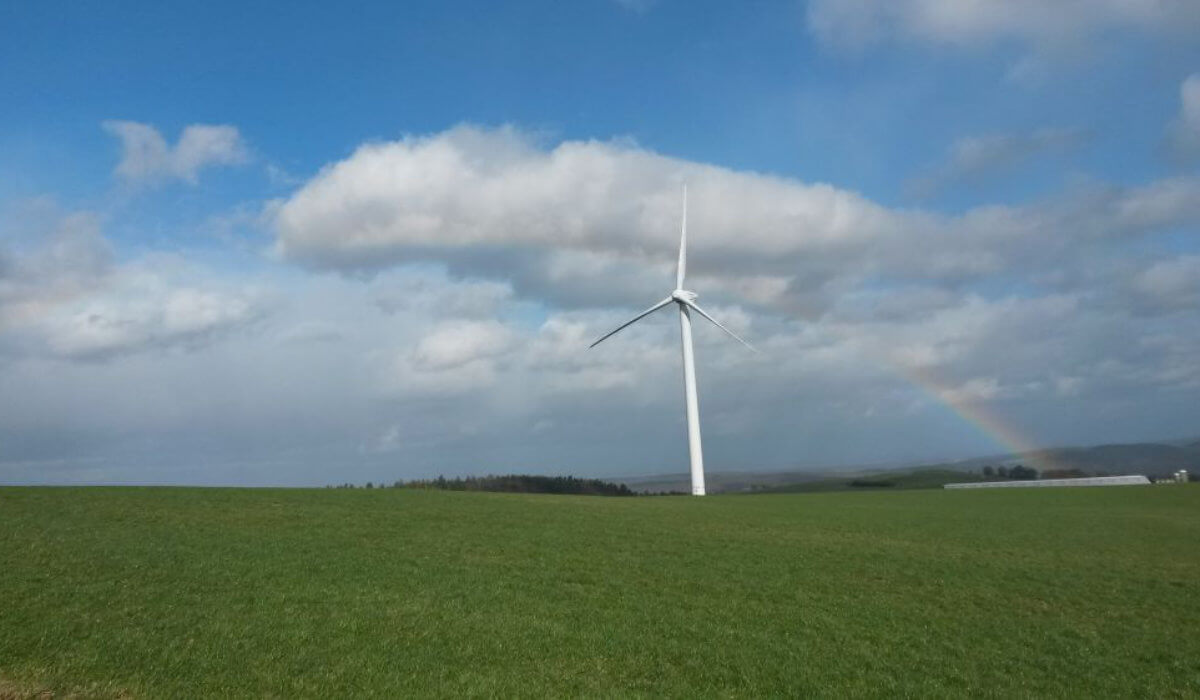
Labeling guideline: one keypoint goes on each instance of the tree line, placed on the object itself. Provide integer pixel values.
(511, 483)
(1021, 472)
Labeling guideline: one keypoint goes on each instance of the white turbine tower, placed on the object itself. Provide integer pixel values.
(685, 300)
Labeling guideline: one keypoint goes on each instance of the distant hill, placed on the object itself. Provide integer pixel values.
(892, 481)
(1141, 458)
(1153, 459)
(1149, 458)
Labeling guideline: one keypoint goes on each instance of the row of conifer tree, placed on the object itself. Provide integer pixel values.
(512, 483)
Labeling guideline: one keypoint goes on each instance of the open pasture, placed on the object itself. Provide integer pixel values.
(151, 592)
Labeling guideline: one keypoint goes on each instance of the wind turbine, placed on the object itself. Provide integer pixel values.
(686, 300)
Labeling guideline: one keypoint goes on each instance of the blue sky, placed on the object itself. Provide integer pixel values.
(202, 206)
(740, 84)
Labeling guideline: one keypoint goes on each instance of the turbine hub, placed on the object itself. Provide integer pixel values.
(684, 296)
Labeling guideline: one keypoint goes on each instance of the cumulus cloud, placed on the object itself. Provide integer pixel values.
(141, 310)
(146, 156)
(1170, 284)
(1183, 134)
(65, 296)
(595, 223)
(968, 24)
(71, 259)
(409, 391)
(457, 343)
(998, 304)
(975, 158)
(482, 263)
(452, 357)
(428, 290)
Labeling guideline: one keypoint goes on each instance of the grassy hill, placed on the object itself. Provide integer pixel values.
(1144, 458)
(718, 482)
(932, 478)
(1150, 458)
(151, 592)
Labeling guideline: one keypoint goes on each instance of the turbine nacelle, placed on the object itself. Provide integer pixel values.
(683, 296)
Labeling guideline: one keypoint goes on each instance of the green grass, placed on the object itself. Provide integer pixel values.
(335, 593)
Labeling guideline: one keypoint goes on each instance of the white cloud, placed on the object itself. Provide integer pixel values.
(429, 291)
(973, 390)
(390, 440)
(146, 156)
(974, 158)
(70, 260)
(140, 312)
(453, 357)
(494, 260)
(1170, 284)
(583, 226)
(973, 23)
(595, 224)
(1183, 134)
(457, 343)
(66, 297)
(469, 188)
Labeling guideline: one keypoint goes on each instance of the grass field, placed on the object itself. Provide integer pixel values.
(154, 592)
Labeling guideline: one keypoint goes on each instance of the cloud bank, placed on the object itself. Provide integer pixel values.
(67, 297)
(1001, 304)
(1183, 134)
(440, 292)
(972, 23)
(975, 158)
(595, 223)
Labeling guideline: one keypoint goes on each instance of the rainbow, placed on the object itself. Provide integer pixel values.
(979, 417)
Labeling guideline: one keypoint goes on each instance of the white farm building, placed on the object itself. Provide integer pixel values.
(1135, 480)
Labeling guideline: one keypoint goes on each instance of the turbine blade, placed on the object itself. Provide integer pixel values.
(718, 325)
(633, 320)
(681, 268)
